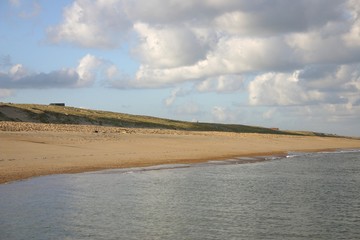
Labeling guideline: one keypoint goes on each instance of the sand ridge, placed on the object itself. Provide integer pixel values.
(36, 149)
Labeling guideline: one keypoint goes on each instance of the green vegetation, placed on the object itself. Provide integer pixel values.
(70, 115)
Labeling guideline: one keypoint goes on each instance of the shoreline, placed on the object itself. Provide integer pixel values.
(246, 159)
(30, 150)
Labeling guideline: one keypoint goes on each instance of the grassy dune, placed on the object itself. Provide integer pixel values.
(69, 115)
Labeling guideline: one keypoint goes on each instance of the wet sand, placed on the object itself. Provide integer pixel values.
(30, 150)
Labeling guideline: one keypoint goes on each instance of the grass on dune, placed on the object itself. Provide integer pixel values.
(71, 115)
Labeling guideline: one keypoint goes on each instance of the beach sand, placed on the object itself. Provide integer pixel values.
(30, 150)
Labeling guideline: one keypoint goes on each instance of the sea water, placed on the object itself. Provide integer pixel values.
(302, 196)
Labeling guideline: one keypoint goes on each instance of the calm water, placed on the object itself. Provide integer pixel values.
(310, 196)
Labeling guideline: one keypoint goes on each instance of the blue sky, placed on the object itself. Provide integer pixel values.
(278, 63)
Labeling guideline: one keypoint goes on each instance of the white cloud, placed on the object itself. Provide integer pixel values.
(266, 18)
(352, 38)
(168, 46)
(17, 72)
(207, 39)
(299, 54)
(114, 77)
(17, 76)
(280, 89)
(221, 84)
(94, 24)
(326, 46)
(326, 84)
(86, 70)
(159, 11)
(150, 77)
(241, 55)
(230, 57)
(112, 72)
(329, 77)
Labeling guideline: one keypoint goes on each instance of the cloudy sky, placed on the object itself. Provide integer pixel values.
(273, 63)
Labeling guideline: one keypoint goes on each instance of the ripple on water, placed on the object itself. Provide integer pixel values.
(304, 196)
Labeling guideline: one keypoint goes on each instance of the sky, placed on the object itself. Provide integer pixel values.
(294, 65)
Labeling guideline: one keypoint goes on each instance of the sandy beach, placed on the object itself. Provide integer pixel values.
(30, 150)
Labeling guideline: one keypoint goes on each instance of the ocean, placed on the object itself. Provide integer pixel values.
(301, 196)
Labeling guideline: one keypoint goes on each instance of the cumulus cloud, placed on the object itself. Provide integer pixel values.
(206, 39)
(333, 84)
(221, 84)
(86, 70)
(16, 76)
(283, 53)
(352, 37)
(93, 24)
(266, 18)
(231, 56)
(279, 89)
(168, 46)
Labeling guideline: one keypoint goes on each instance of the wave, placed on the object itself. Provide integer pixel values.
(337, 151)
(231, 161)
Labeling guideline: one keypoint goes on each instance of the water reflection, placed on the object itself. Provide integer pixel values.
(306, 197)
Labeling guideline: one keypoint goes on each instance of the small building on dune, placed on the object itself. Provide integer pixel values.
(57, 104)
